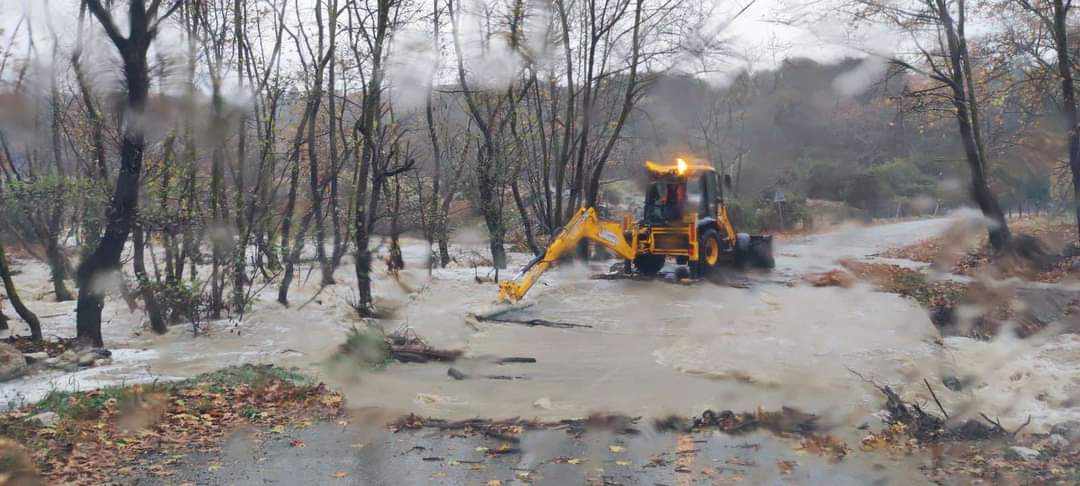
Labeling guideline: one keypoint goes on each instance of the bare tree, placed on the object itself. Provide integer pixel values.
(949, 63)
(13, 296)
(373, 25)
(1053, 15)
(143, 24)
(491, 112)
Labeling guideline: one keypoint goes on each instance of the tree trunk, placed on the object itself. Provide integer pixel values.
(362, 260)
(58, 264)
(138, 263)
(1068, 93)
(55, 254)
(122, 207)
(489, 190)
(13, 296)
(338, 248)
(963, 92)
(526, 221)
(217, 205)
(316, 192)
(290, 205)
(364, 133)
(291, 259)
(396, 261)
(491, 207)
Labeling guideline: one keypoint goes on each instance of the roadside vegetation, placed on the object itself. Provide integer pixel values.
(106, 435)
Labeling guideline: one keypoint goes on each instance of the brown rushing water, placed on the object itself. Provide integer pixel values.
(655, 347)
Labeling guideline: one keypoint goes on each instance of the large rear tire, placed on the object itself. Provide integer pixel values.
(649, 264)
(708, 253)
(761, 252)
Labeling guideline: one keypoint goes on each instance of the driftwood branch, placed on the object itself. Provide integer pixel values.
(938, 402)
(535, 322)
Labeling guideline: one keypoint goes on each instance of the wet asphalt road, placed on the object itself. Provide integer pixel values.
(348, 453)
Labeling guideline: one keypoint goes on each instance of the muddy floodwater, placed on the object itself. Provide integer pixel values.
(658, 347)
(653, 348)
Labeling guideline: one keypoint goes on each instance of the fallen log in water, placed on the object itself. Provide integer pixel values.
(515, 359)
(422, 353)
(533, 322)
(459, 375)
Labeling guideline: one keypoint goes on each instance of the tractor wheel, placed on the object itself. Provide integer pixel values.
(649, 264)
(761, 252)
(708, 253)
(743, 256)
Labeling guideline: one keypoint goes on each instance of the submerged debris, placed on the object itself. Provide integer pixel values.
(785, 421)
(511, 429)
(912, 420)
(459, 375)
(832, 278)
(370, 347)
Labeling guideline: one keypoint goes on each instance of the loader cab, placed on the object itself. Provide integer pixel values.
(705, 195)
(665, 201)
(675, 193)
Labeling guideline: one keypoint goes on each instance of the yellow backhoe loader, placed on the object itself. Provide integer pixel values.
(685, 217)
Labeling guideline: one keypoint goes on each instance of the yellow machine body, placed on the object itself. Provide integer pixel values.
(631, 240)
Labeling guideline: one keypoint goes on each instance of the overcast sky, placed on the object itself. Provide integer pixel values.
(758, 39)
(755, 31)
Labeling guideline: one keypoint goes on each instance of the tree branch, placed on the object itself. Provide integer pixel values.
(106, 19)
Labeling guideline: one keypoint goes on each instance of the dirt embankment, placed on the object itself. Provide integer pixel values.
(1042, 251)
(970, 290)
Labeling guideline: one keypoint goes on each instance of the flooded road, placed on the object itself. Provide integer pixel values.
(658, 348)
(355, 454)
(654, 348)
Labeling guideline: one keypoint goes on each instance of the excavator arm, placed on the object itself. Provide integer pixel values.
(584, 224)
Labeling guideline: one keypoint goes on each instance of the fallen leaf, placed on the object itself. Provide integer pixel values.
(616, 448)
(340, 474)
(622, 463)
(494, 482)
(297, 443)
(573, 460)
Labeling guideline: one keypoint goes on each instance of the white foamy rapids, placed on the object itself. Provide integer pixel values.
(1013, 379)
